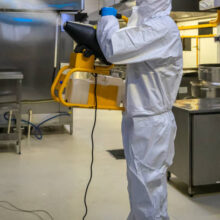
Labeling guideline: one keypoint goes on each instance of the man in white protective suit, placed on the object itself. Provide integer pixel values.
(152, 48)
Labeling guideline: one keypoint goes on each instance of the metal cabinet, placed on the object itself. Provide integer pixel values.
(32, 45)
(197, 159)
(206, 149)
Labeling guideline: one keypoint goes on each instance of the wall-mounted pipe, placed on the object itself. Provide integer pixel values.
(181, 28)
(212, 24)
(217, 20)
(199, 36)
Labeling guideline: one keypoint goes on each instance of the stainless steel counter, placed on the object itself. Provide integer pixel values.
(199, 105)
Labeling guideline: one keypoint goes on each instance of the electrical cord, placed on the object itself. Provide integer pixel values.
(39, 137)
(14, 210)
(37, 131)
(92, 140)
(34, 212)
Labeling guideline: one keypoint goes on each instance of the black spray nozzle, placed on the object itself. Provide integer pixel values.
(85, 37)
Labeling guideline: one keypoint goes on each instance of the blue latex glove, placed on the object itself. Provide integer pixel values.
(107, 11)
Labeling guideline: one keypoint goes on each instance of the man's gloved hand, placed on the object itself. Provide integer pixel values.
(107, 11)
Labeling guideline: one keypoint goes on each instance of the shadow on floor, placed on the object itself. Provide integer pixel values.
(117, 154)
(200, 191)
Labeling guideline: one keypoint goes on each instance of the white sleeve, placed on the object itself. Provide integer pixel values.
(107, 26)
(155, 40)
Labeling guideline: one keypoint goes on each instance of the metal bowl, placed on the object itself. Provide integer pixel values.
(196, 89)
(209, 73)
(202, 89)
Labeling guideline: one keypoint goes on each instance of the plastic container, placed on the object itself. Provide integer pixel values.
(110, 91)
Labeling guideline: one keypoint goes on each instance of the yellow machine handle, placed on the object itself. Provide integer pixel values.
(57, 83)
(123, 17)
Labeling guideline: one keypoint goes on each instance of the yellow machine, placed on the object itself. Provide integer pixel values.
(83, 60)
(106, 95)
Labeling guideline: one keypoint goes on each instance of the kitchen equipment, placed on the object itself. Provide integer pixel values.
(210, 73)
(198, 89)
(208, 85)
(196, 160)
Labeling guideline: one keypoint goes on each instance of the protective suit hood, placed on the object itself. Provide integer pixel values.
(153, 8)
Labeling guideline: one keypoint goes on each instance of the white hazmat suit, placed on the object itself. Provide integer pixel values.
(152, 48)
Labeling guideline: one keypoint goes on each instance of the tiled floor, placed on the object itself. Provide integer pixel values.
(52, 174)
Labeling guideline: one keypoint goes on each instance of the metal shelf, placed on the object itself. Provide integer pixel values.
(9, 137)
(12, 107)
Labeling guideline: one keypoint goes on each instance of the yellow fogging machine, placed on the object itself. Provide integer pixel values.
(83, 60)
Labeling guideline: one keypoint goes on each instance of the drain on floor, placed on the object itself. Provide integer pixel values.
(117, 154)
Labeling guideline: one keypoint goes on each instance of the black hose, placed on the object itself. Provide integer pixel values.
(92, 139)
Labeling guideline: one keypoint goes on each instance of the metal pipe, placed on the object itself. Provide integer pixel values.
(29, 124)
(199, 36)
(196, 26)
(217, 21)
(214, 23)
(56, 41)
(9, 121)
(197, 52)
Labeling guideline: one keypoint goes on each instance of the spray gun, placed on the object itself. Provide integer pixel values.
(85, 37)
(83, 60)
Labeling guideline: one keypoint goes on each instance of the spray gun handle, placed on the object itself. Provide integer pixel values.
(118, 16)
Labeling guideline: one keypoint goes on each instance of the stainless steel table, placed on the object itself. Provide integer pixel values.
(12, 107)
(197, 159)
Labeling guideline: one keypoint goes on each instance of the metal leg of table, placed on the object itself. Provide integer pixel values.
(9, 121)
(29, 125)
(19, 132)
(19, 86)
